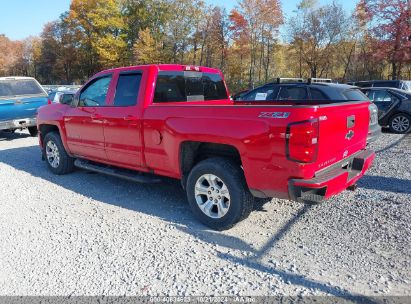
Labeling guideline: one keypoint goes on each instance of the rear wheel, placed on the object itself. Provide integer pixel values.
(58, 161)
(33, 131)
(400, 123)
(218, 194)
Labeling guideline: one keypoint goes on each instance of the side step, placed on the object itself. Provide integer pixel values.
(116, 172)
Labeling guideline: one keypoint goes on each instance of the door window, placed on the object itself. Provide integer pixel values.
(382, 96)
(128, 86)
(316, 94)
(292, 93)
(263, 93)
(95, 93)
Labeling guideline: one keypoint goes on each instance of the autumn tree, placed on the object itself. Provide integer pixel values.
(100, 28)
(147, 49)
(389, 21)
(314, 32)
(258, 21)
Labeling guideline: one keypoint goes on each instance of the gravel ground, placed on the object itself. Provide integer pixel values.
(89, 234)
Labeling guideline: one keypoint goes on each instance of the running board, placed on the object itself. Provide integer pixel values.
(116, 172)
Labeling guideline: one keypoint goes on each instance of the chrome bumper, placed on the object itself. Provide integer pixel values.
(17, 123)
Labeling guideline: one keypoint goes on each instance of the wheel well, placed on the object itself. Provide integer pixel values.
(192, 153)
(44, 129)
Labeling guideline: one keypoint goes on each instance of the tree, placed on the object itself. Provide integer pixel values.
(147, 49)
(390, 23)
(259, 22)
(315, 31)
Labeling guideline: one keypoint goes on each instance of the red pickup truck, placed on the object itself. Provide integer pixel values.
(178, 121)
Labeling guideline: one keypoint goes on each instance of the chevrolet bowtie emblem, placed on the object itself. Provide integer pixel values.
(349, 135)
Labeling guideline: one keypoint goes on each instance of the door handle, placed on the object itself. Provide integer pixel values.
(130, 118)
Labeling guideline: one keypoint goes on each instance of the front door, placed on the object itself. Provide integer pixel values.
(84, 123)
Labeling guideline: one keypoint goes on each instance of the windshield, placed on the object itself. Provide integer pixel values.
(16, 87)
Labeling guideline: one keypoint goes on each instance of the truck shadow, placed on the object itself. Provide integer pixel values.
(167, 201)
(389, 184)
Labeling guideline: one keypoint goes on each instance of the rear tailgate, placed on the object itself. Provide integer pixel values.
(343, 131)
(21, 107)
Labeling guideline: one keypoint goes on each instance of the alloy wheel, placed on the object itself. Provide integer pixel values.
(212, 196)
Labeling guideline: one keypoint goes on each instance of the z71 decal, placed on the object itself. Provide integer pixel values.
(274, 114)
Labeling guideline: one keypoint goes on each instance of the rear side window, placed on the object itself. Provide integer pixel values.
(17, 87)
(128, 86)
(406, 85)
(189, 86)
(354, 95)
(293, 93)
(316, 94)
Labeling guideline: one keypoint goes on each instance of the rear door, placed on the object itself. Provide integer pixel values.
(123, 123)
(384, 100)
(20, 98)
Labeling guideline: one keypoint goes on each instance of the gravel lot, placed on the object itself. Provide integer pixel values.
(89, 234)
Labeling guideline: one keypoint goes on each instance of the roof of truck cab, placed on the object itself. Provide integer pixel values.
(162, 67)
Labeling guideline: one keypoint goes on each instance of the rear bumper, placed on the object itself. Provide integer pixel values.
(332, 180)
(17, 123)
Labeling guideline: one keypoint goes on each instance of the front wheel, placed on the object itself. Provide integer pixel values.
(400, 123)
(58, 161)
(218, 193)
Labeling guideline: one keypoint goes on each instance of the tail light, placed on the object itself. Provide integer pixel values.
(302, 141)
(49, 101)
(373, 114)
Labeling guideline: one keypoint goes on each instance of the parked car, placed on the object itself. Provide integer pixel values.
(300, 90)
(55, 95)
(239, 94)
(317, 90)
(178, 121)
(398, 84)
(394, 108)
(20, 98)
(66, 97)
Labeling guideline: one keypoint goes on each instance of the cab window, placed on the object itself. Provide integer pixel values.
(128, 86)
(95, 93)
(189, 86)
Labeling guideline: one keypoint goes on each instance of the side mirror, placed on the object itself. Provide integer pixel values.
(66, 99)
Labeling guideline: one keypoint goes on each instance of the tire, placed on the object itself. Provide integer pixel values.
(33, 131)
(222, 180)
(400, 123)
(57, 159)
